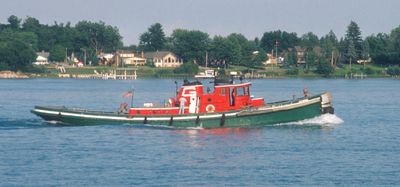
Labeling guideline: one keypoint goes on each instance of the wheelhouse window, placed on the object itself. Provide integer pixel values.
(222, 92)
(240, 91)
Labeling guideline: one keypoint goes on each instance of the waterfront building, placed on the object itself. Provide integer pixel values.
(163, 59)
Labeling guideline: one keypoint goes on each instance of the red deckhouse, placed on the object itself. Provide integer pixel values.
(192, 98)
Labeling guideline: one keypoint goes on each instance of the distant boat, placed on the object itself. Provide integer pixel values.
(230, 105)
(206, 74)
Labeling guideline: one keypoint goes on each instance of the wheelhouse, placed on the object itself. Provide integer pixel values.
(223, 98)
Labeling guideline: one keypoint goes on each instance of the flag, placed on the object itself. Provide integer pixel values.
(128, 94)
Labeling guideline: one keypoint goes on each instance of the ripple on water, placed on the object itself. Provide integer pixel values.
(359, 146)
(11, 124)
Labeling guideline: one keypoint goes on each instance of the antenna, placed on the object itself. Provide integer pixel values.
(176, 88)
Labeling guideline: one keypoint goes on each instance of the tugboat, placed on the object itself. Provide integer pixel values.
(228, 105)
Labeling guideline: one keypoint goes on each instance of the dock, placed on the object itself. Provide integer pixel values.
(355, 76)
(116, 74)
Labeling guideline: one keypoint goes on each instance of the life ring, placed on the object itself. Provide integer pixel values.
(210, 108)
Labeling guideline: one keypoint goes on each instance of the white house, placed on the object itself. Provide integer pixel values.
(105, 58)
(131, 58)
(42, 58)
(163, 59)
(271, 60)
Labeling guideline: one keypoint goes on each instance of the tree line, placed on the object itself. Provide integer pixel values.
(236, 49)
(20, 39)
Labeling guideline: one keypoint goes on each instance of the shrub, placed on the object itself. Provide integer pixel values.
(4, 66)
(393, 71)
(292, 72)
(368, 71)
(187, 68)
(324, 68)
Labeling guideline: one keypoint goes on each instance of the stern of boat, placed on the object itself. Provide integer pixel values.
(326, 103)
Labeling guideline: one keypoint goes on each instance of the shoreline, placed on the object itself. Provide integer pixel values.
(76, 76)
(154, 75)
(13, 75)
(109, 72)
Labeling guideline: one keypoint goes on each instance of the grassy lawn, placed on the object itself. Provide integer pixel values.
(370, 70)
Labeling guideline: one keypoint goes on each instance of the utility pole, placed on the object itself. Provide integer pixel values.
(66, 55)
(206, 58)
(276, 49)
(350, 64)
(276, 53)
(84, 56)
(117, 59)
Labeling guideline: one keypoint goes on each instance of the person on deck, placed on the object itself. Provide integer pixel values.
(123, 108)
(305, 92)
(182, 102)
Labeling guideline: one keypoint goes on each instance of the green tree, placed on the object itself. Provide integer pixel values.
(309, 40)
(395, 38)
(46, 38)
(379, 48)
(324, 68)
(258, 58)
(168, 44)
(224, 50)
(14, 22)
(98, 36)
(365, 50)
(257, 42)
(131, 48)
(330, 47)
(291, 57)
(233, 49)
(395, 46)
(246, 49)
(353, 35)
(153, 39)
(283, 40)
(57, 53)
(27, 37)
(65, 35)
(311, 59)
(15, 54)
(351, 52)
(190, 45)
(31, 24)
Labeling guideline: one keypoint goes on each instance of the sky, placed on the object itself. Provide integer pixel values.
(216, 17)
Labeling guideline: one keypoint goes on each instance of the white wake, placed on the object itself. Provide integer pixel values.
(322, 120)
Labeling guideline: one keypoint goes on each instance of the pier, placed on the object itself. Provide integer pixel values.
(116, 74)
(355, 76)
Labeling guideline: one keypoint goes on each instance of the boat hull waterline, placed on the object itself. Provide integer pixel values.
(271, 113)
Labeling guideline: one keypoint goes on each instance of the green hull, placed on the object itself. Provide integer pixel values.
(279, 112)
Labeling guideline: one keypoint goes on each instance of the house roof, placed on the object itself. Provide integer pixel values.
(158, 54)
(298, 48)
(43, 54)
(317, 49)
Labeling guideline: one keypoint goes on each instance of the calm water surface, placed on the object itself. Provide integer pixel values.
(359, 146)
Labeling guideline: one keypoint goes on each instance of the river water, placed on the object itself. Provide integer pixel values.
(358, 146)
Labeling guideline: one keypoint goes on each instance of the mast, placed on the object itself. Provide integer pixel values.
(206, 58)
